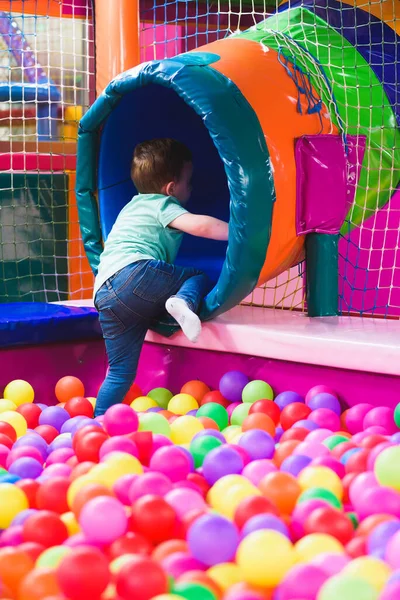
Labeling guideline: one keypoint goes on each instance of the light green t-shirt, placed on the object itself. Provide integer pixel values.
(141, 232)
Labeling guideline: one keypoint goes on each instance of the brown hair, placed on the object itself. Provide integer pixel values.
(157, 162)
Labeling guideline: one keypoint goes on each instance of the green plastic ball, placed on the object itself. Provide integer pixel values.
(257, 390)
(161, 395)
(193, 591)
(342, 587)
(334, 440)
(387, 467)
(320, 494)
(155, 423)
(354, 519)
(240, 413)
(201, 446)
(216, 412)
(396, 415)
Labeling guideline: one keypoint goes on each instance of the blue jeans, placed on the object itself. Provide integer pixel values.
(128, 303)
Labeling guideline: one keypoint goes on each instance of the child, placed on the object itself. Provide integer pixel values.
(137, 279)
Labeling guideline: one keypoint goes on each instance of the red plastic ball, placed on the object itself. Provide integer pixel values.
(79, 406)
(133, 393)
(30, 487)
(88, 446)
(200, 481)
(216, 397)
(31, 413)
(373, 440)
(296, 411)
(330, 521)
(52, 495)
(251, 506)
(8, 430)
(82, 432)
(68, 387)
(268, 408)
(130, 543)
(156, 529)
(33, 549)
(346, 482)
(357, 463)
(6, 441)
(46, 528)
(83, 574)
(141, 578)
(47, 432)
(356, 547)
(296, 433)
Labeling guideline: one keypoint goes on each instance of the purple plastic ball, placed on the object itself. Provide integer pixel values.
(380, 536)
(258, 444)
(265, 521)
(213, 539)
(295, 463)
(325, 401)
(61, 441)
(231, 385)
(279, 431)
(306, 424)
(34, 440)
(55, 416)
(213, 433)
(285, 398)
(26, 468)
(23, 516)
(221, 461)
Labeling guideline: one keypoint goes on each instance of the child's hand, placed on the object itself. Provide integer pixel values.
(201, 226)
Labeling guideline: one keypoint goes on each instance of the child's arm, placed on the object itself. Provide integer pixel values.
(201, 226)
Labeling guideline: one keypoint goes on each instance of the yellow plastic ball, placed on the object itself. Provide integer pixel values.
(230, 432)
(228, 492)
(314, 544)
(143, 403)
(77, 485)
(225, 575)
(115, 466)
(182, 404)
(6, 405)
(15, 420)
(51, 557)
(19, 392)
(92, 400)
(372, 570)
(264, 557)
(183, 429)
(71, 523)
(321, 477)
(12, 502)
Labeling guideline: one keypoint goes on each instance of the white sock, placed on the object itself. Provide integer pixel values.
(188, 321)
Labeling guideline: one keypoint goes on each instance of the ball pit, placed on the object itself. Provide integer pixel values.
(224, 494)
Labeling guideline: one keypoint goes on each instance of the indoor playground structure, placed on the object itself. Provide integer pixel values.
(263, 462)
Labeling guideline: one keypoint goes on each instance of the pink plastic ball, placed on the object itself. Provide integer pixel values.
(300, 514)
(156, 484)
(382, 416)
(331, 564)
(57, 470)
(332, 463)
(311, 449)
(392, 554)
(231, 407)
(355, 417)
(360, 484)
(118, 443)
(180, 562)
(376, 429)
(120, 419)
(325, 418)
(184, 500)
(12, 536)
(4, 452)
(59, 456)
(103, 520)
(122, 487)
(159, 441)
(307, 578)
(319, 389)
(391, 592)
(318, 435)
(24, 451)
(172, 462)
(380, 500)
(257, 469)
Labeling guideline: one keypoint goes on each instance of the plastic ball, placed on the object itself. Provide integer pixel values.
(321, 477)
(292, 413)
(257, 390)
(172, 462)
(220, 462)
(265, 557)
(295, 464)
(386, 467)
(52, 495)
(52, 557)
(31, 414)
(231, 385)
(46, 528)
(240, 413)
(143, 403)
(98, 529)
(250, 507)
(7, 405)
(201, 445)
(382, 416)
(181, 404)
(213, 539)
(257, 469)
(266, 407)
(216, 412)
(38, 585)
(12, 501)
(120, 419)
(392, 554)
(347, 587)
(307, 578)
(321, 494)
(161, 395)
(184, 428)
(16, 421)
(196, 389)
(314, 544)
(369, 569)
(258, 444)
(15, 564)
(141, 578)
(83, 573)
(265, 521)
(193, 591)
(78, 406)
(282, 489)
(142, 518)
(68, 387)
(225, 575)
(324, 400)
(319, 389)
(19, 392)
(217, 398)
(259, 421)
(332, 522)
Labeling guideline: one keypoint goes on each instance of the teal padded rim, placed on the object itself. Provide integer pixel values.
(239, 139)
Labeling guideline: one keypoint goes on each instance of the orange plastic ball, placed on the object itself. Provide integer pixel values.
(195, 388)
(284, 450)
(39, 584)
(282, 489)
(208, 423)
(81, 469)
(68, 387)
(169, 547)
(88, 492)
(259, 421)
(14, 566)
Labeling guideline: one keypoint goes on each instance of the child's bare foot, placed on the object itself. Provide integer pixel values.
(188, 321)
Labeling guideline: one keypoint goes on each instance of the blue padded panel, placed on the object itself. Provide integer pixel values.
(160, 112)
(41, 323)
